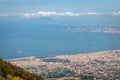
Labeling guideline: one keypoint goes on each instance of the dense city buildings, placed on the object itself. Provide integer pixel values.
(103, 65)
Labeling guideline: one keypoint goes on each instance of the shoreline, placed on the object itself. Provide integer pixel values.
(85, 53)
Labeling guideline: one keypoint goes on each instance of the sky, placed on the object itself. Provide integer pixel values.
(30, 8)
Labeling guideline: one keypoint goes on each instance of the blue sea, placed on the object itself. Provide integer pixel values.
(22, 39)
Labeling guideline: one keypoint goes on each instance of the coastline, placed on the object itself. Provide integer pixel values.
(96, 64)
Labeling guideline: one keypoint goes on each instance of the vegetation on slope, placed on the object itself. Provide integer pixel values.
(10, 72)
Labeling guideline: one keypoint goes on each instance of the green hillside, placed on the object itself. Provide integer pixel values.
(10, 72)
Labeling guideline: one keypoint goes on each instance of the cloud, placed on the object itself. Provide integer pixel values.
(116, 13)
(92, 13)
(28, 15)
(67, 13)
(5, 14)
(43, 13)
(48, 13)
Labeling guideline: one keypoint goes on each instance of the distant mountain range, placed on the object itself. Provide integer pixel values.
(103, 65)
